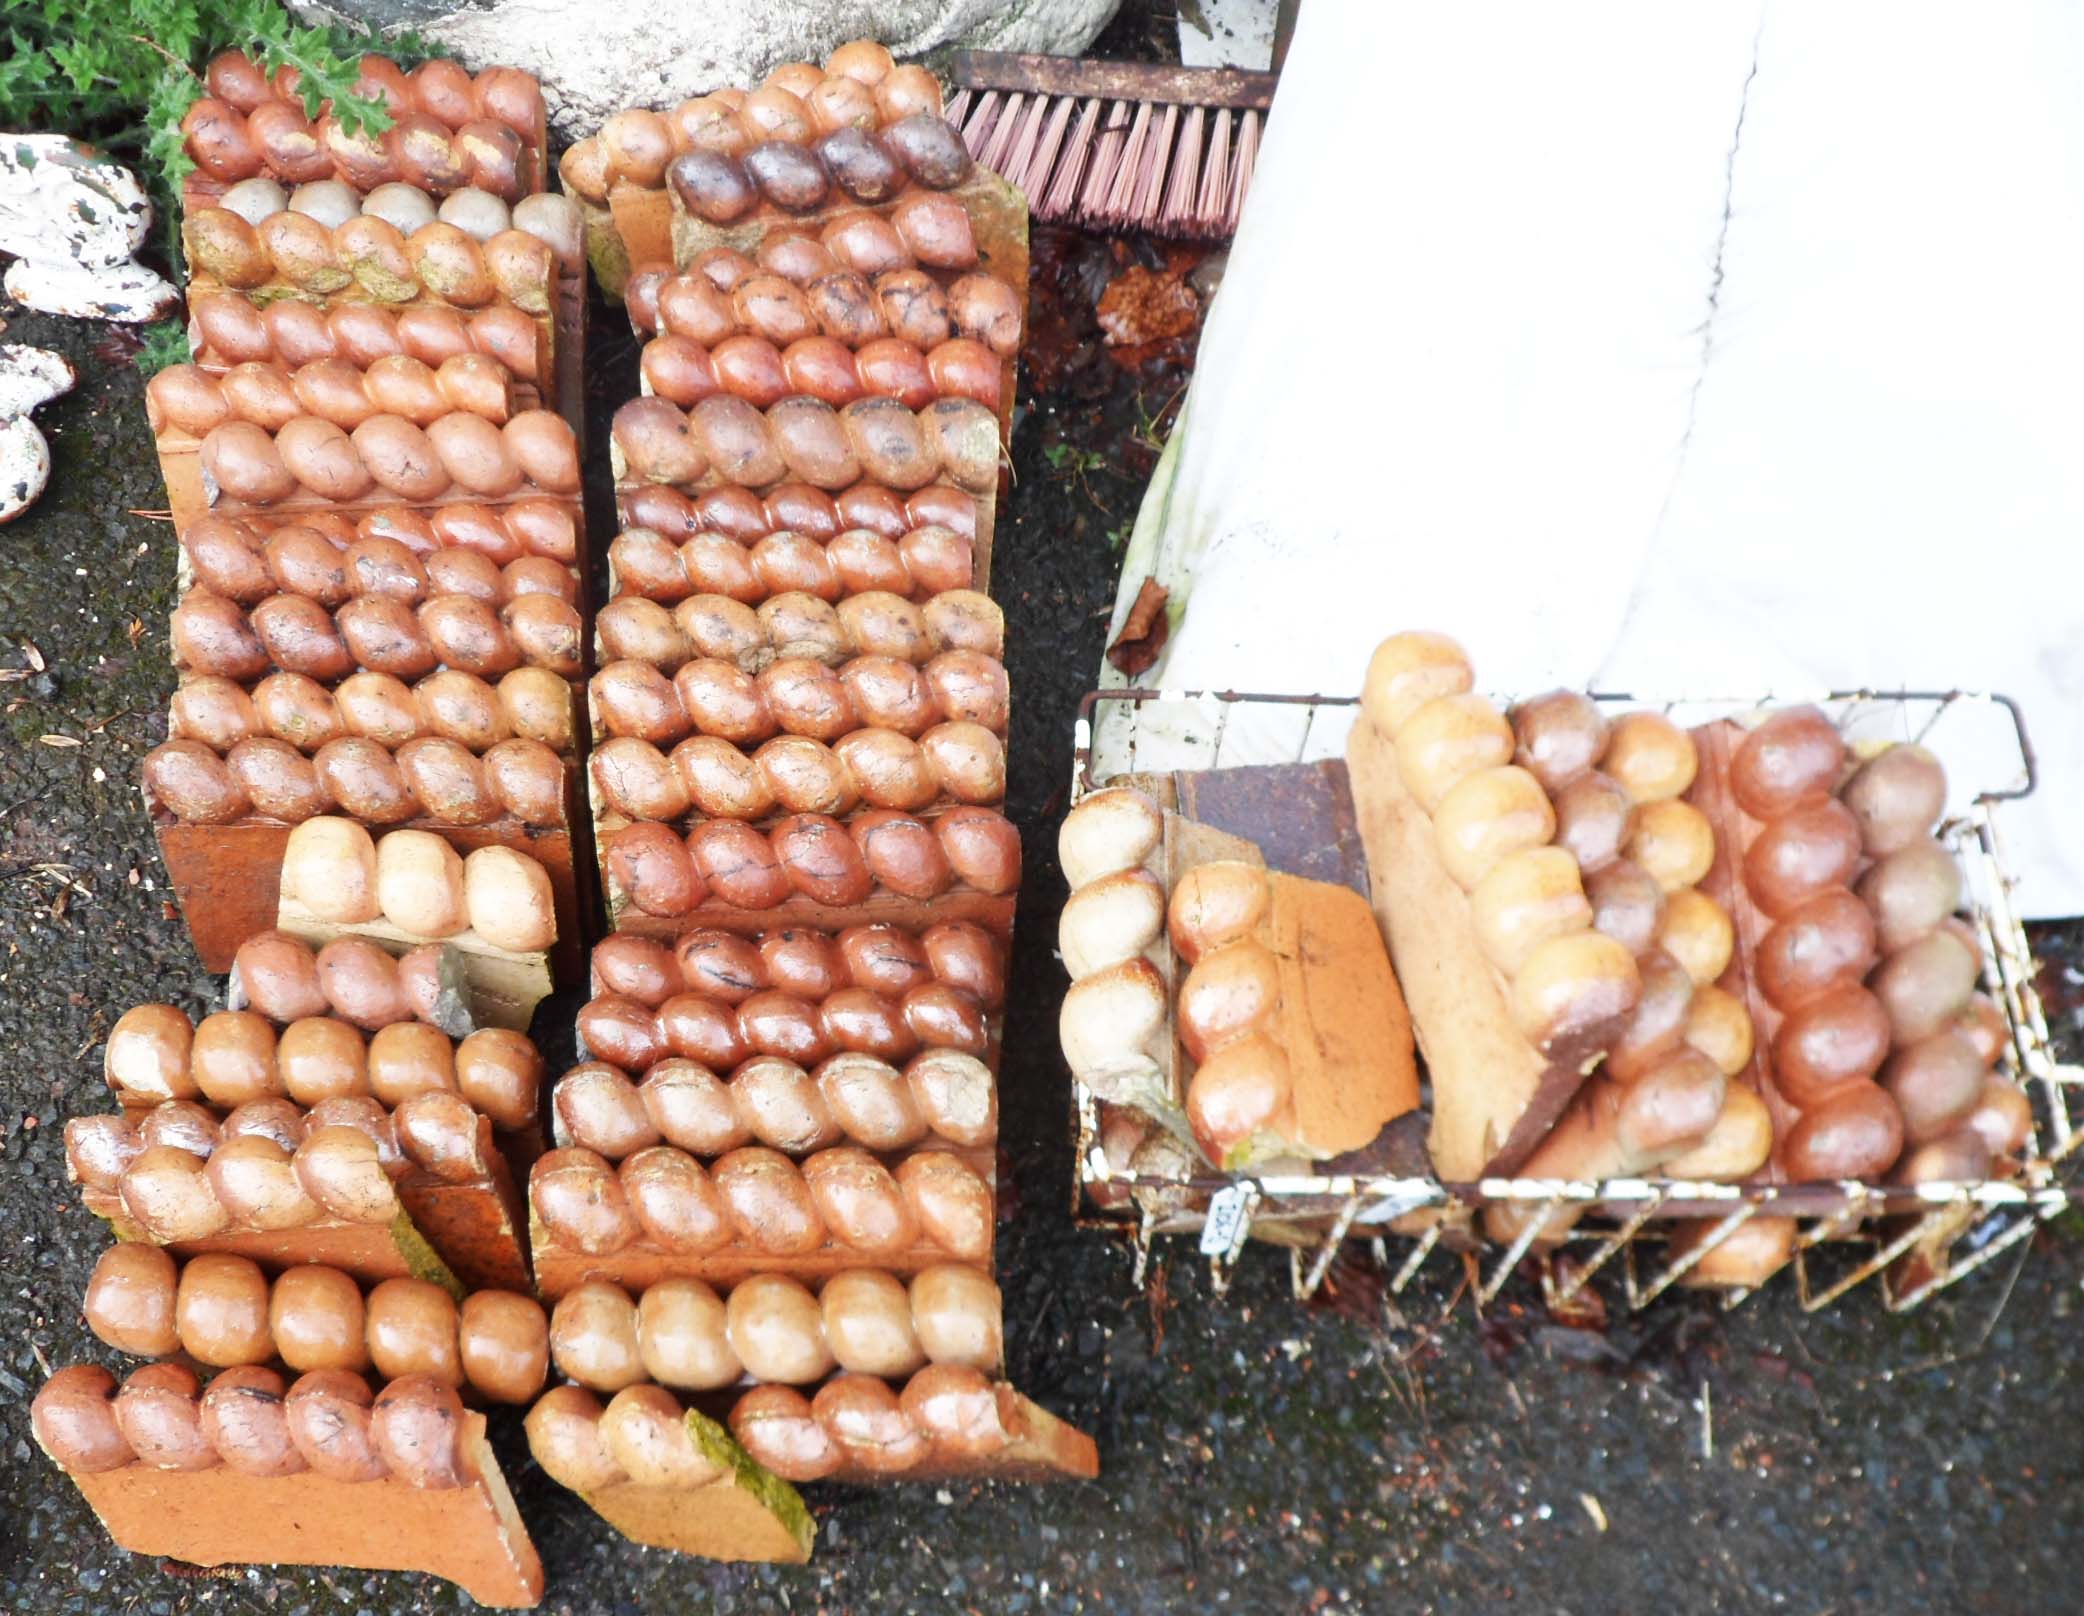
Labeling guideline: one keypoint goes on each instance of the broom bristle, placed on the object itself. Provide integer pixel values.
(1112, 165)
(1150, 178)
(983, 116)
(1048, 144)
(1215, 179)
(1020, 158)
(1005, 134)
(1176, 217)
(1062, 199)
(1115, 209)
(1107, 157)
(1241, 180)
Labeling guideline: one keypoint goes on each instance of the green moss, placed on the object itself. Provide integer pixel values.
(422, 1261)
(776, 1496)
(380, 283)
(608, 257)
(166, 343)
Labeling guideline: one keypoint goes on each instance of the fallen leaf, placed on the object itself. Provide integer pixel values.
(1354, 1287)
(1141, 307)
(117, 344)
(1143, 636)
(194, 1573)
(59, 740)
(1067, 273)
(1585, 1308)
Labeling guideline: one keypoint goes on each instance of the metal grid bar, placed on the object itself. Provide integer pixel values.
(1503, 1269)
(1693, 1256)
(1832, 1212)
(1306, 1287)
(1952, 1273)
(1884, 1255)
(1835, 1227)
(1416, 1260)
(1603, 1253)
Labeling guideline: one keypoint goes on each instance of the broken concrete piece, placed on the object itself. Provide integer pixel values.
(595, 57)
(28, 377)
(72, 218)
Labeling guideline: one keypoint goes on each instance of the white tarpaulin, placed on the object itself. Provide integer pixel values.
(1687, 351)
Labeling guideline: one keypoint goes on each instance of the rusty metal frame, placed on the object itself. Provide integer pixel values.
(1623, 1217)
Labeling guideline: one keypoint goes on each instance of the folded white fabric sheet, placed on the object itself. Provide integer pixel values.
(1688, 351)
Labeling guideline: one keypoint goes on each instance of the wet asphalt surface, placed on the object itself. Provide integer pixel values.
(1257, 1455)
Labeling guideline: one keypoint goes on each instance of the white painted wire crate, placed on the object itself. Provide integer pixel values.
(1846, 1232)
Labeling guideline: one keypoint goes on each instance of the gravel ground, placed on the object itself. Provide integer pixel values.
(1257, 1455)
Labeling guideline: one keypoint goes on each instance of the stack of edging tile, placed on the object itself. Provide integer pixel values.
(768, 1227)
(368, 808)
(373, 468)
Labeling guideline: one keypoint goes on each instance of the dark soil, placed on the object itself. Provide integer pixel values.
(1258, 1455)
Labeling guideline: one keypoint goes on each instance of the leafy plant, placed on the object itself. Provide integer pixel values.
(1077, 466)
(1151, 430)
(1071, 460)
(121, 74)
(164, 343)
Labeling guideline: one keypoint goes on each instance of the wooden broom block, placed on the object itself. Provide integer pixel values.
(1158, 82)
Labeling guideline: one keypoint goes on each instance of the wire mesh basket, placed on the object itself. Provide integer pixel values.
(1845, 1233)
